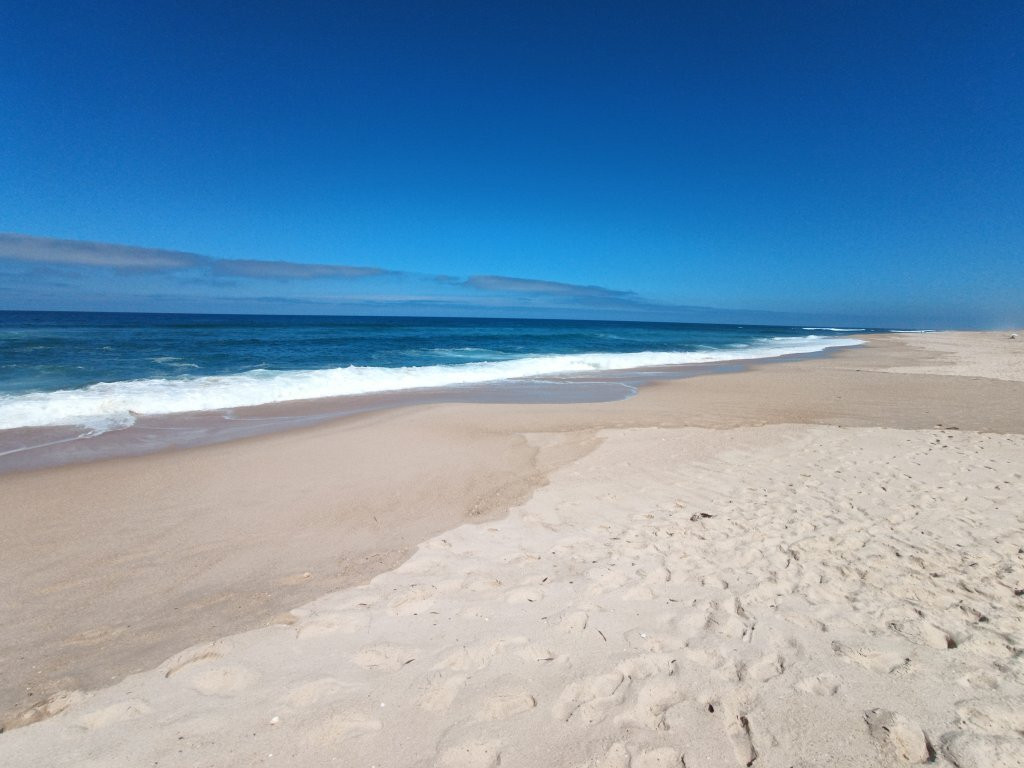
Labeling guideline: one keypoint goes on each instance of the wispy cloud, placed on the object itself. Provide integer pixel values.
(497, 283)
(63, 272)
(289, 270)
(46, 250)
(79, 253)
(196, 268)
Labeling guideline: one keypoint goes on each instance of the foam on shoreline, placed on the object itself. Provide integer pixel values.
(115, 405)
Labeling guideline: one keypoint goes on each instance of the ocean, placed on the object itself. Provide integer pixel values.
(99, 372)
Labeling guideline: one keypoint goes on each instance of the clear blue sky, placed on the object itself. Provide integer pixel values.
(838, 162)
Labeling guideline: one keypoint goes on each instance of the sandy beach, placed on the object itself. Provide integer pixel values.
(811, 562)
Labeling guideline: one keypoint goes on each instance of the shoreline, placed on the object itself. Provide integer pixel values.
(202, 528)
(31, 448)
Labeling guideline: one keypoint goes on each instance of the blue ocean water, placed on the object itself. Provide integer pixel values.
(102, 370)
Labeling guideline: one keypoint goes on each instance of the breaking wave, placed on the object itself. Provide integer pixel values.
(115, 405)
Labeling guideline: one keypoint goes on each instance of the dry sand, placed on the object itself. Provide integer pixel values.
(984, 355)
(791, 566)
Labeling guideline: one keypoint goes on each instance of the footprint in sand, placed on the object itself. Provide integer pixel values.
(664, 757)
(728, 618)
(737, 729)
(618, 756)
(474, 658)
(714, 581)
(659, 575)
(883, 662)
(725, 618)
(980, 680)
(96, 636)
(442, 690)
(638, 594)
(115, 713)
(714, 660)
(652, 702)
(646, 641)
(805, 621)
(524, 595)
(574, 623)
(54, 705)
(898, 738)
(650, 665)
(473, 754)
(973, 750)
(385, 657)
(993, 645)
(825, 684)
(344, 726)
(320, 624)
(227, 680)
(196, 655)
(481, 584)
(694, 621)
(602, 580)
(998, 716)
(535, 652)
(763, 669)
(412, 601)
(924, 633)
(505, 705)
(589, 700)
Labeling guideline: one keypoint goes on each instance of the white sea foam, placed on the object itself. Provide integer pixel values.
(115, 405)
(837, 330)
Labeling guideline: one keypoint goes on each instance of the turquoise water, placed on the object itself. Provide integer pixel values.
(102, 370)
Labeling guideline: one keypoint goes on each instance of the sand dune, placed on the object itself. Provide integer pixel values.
(776, 595)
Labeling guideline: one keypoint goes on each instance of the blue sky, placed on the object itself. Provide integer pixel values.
(839, 162)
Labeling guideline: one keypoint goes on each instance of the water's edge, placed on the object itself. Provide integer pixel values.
(33, 448)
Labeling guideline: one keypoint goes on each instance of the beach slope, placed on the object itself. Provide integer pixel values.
(810, 563)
